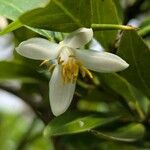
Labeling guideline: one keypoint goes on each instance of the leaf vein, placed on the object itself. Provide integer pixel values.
(67, 13)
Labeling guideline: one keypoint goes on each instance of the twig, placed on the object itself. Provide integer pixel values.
(98, 27)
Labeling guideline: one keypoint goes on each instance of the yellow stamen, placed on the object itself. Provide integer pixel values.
(71, 68)
(44, 62)
(48, 64)
(85, 71)
(51, 67)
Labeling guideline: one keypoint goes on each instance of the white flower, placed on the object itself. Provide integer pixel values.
(70, 61)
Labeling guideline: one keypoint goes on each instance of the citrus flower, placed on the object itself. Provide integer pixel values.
(70, 60)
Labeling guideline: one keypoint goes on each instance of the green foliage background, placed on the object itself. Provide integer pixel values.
(112, 111)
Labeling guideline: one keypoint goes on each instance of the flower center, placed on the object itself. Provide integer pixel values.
(71, 66)
(70, 70)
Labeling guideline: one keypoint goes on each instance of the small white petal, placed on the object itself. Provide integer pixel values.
(101, 61)
(38, 48)
(78, 38)
(60, 94)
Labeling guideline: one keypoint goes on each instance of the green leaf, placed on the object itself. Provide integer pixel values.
(39, 143)
(12, 9)
(19, 71)
(144, 31)
(129, 133)
(133, 49)
(45, 33)
(145, 27)
(135, 99)
(11, 27)
(145, 22)
(70, 123)
(119, 10)
(60, 16)
(17, 24)
(104, 12)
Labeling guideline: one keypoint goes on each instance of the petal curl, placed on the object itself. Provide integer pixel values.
(60, 94)
(78, 38)
(38, 48)
(101, 61)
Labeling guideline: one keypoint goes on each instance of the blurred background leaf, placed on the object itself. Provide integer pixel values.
(60, 16)
(13, 9)
(16, 70)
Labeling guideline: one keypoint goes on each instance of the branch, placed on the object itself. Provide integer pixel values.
(99, 27)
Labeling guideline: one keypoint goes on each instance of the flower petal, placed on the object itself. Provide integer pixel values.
(38, 48)
(79, 37)
(101, 61)
(60, 94)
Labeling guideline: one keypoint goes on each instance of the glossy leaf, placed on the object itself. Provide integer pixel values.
(134, 98)
(66, 19)
(70, 123)
(59, 15)
(128, 133)
(137, 54)
(16, 25)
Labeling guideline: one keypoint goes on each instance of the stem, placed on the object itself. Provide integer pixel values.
(98, 27)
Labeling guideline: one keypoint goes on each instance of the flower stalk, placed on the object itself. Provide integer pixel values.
(99, 27)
